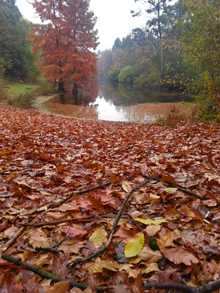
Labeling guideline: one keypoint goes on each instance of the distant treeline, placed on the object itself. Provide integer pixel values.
(179, 47)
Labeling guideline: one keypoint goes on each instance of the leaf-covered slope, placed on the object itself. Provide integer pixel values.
(43, 159)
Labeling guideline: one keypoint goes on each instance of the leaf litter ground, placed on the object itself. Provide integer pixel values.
(170, 235)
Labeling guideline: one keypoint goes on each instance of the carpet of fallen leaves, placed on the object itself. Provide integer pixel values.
(45, 158)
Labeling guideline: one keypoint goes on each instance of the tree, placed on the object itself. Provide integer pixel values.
(201, 47)
(14, 49)
(126, 75)
(65, 41)
(156, 8)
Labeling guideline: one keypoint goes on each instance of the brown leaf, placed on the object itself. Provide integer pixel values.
(60, 287)
(179, 255)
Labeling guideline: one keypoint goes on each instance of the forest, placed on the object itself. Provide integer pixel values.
(178, 48)
(101, 206)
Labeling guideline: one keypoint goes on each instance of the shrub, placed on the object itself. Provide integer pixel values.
(126, 75)
(24, 100)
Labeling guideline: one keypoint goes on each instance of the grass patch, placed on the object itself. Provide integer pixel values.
(15, 89)
(24, 100)
(22, 94)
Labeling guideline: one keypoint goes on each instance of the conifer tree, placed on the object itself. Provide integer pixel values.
(65, 39)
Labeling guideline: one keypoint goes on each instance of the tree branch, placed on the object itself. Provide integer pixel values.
(104, 248)
(77, 193)
(180, 188)
(37, 225)
(14, 237)
(46, 275)
(208, 288)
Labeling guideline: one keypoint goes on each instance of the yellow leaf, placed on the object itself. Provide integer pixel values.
(157, 221)
(99, 265)
(134, 246)
(60, 287)
(98, 237)
(170, 189)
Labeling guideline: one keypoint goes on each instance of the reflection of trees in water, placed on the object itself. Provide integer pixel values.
(149, 112)
(126, 91)
(117, 94)
(84, 96)
(72, 110)
(124, 94)
(138, 106)
(137, 114)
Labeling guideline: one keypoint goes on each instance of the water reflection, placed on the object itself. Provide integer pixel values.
(115, 102)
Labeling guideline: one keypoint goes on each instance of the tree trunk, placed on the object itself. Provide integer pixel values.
(61, 88)
(75, 93)
(75, 88)
(160, 39)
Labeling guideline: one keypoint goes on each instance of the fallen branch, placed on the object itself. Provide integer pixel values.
(37, 225)
(122, 209)
(46, 249)
(208, 288)
(77, 193)
(14, 237)
(104, 248)
(46, 275)
(180, 188)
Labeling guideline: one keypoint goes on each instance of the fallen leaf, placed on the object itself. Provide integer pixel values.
(134, 245)
(170, 189)
(98, 237)
(126, 186)
(180, 255)
(157, 221)
(60, 287)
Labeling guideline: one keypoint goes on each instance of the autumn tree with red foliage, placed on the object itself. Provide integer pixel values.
(65, 39)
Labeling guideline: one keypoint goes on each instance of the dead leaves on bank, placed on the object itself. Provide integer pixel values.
(44, 159)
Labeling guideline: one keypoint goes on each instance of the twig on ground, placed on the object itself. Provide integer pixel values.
(37, 225)
(208, 288)
(14, 237)
(63, 240)
(46, 249)
(122, 209)
(77, 193)
(103, 249)
(180, 188)
(46, 275)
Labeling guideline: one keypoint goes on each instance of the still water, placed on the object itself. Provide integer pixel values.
(116, 102)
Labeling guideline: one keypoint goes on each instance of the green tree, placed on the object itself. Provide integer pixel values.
(156, 8)
(14, 49)
(126, 75)
(201, 50)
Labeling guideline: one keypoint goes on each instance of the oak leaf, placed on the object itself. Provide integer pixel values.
(98, 237)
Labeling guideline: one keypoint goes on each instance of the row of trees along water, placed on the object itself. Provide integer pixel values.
(179, 47)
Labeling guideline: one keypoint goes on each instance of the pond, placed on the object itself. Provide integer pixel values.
(116, 102)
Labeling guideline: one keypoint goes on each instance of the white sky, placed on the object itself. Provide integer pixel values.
(114, 18)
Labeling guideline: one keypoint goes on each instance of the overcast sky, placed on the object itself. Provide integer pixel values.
(114, 18)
